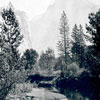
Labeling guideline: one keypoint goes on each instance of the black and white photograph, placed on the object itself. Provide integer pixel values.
(49, 49)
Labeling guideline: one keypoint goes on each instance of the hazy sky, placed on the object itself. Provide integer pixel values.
(33, 7)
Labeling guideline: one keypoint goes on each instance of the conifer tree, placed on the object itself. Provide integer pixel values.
(78, 44)
(94, 30)
(10, 39)
(63, 43)
(93, 54)
(11, 36)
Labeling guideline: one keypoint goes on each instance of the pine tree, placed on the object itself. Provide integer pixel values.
(10, 39)
(81, 35)
(30, 57)
(78, 44)
(94, 30)
(75, 32)
(75, 40)
(78, 35)
(63, 43)
(10, 36)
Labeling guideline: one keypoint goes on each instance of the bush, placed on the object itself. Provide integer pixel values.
(19, 91)
(73, 70)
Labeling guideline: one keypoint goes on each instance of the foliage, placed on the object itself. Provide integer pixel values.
(60, 65)
(78, 45)
(29, 58)
(94, 29)
(10, 39)
(47, 60)
(78, 35)
(19, 91)
(73, 70)
(92, 62)
(74, 95)
(63, 43)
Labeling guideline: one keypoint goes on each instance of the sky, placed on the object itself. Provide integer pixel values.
(33, 7)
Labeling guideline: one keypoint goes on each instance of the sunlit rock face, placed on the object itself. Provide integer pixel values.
(25, 30)
(45, 28)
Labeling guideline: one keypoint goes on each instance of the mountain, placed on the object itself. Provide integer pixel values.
(45, 28)
(25, 30)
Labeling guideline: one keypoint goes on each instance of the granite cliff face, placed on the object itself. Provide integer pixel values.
(45, 28)
(25, 30)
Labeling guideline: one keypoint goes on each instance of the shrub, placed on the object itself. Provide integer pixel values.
(73, 70)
